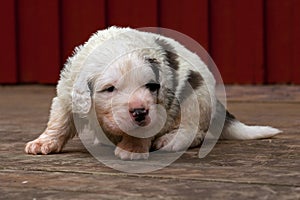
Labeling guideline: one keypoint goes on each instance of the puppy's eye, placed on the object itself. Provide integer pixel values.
(153, 87)
(109, 89)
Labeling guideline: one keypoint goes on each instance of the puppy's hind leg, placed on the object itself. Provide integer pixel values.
(176, 140)
(60, 129)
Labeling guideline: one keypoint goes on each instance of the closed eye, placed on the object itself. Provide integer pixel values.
(153, 87)
(109, 89)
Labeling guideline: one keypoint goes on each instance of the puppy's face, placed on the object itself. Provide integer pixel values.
(126, 98)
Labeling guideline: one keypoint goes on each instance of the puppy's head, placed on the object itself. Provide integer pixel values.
(126, 96)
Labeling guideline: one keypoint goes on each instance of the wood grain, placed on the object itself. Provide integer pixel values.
(257, 169)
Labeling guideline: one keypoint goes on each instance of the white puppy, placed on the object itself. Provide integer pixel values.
(138, 82)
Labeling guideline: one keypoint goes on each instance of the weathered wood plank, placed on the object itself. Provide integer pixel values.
(79, 185)
(270, 93)
(258, 169)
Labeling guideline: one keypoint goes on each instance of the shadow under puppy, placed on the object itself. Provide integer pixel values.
(148, 90)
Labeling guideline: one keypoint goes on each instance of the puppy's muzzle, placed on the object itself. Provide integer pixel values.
(139, 115)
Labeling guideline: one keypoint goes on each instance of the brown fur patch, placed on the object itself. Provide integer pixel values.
(136, 145)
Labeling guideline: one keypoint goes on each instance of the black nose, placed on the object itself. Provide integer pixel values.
(139, 114)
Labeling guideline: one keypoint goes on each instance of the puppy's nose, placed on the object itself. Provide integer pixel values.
(139, 114)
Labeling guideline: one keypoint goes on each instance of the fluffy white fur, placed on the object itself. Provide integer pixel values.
(137, 81)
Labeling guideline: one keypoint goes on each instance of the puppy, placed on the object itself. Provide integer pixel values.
(148, 92)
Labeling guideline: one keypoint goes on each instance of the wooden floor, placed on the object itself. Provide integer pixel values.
(260, 169)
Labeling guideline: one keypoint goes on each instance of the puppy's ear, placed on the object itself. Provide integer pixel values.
(82, 98)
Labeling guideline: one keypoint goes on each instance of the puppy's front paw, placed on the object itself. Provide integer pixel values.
(43, 146)
(132, 148)
(127, 155)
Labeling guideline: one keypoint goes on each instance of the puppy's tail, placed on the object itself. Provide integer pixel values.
(239, 131)
(236, 130)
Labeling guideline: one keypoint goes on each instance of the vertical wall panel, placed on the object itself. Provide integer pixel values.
(236, 41)
(133, 13)
(283, 40)
(38, 35)
(296, 42)
(251, 41)
(80, 19)
(189, 18)
(8, 65)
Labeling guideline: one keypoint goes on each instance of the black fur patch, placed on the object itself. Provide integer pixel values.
(154, 64)
(229, 120)
(170, 53)
(170, 94)
(174, 88)
(229, 117)
(171, 60)
(195, 79)
(90, 84)
(217, 121)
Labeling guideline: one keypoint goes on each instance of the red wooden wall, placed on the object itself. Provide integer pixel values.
(8, 53)
(251, 41)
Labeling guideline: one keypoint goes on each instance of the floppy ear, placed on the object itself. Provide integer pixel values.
(82, 98)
